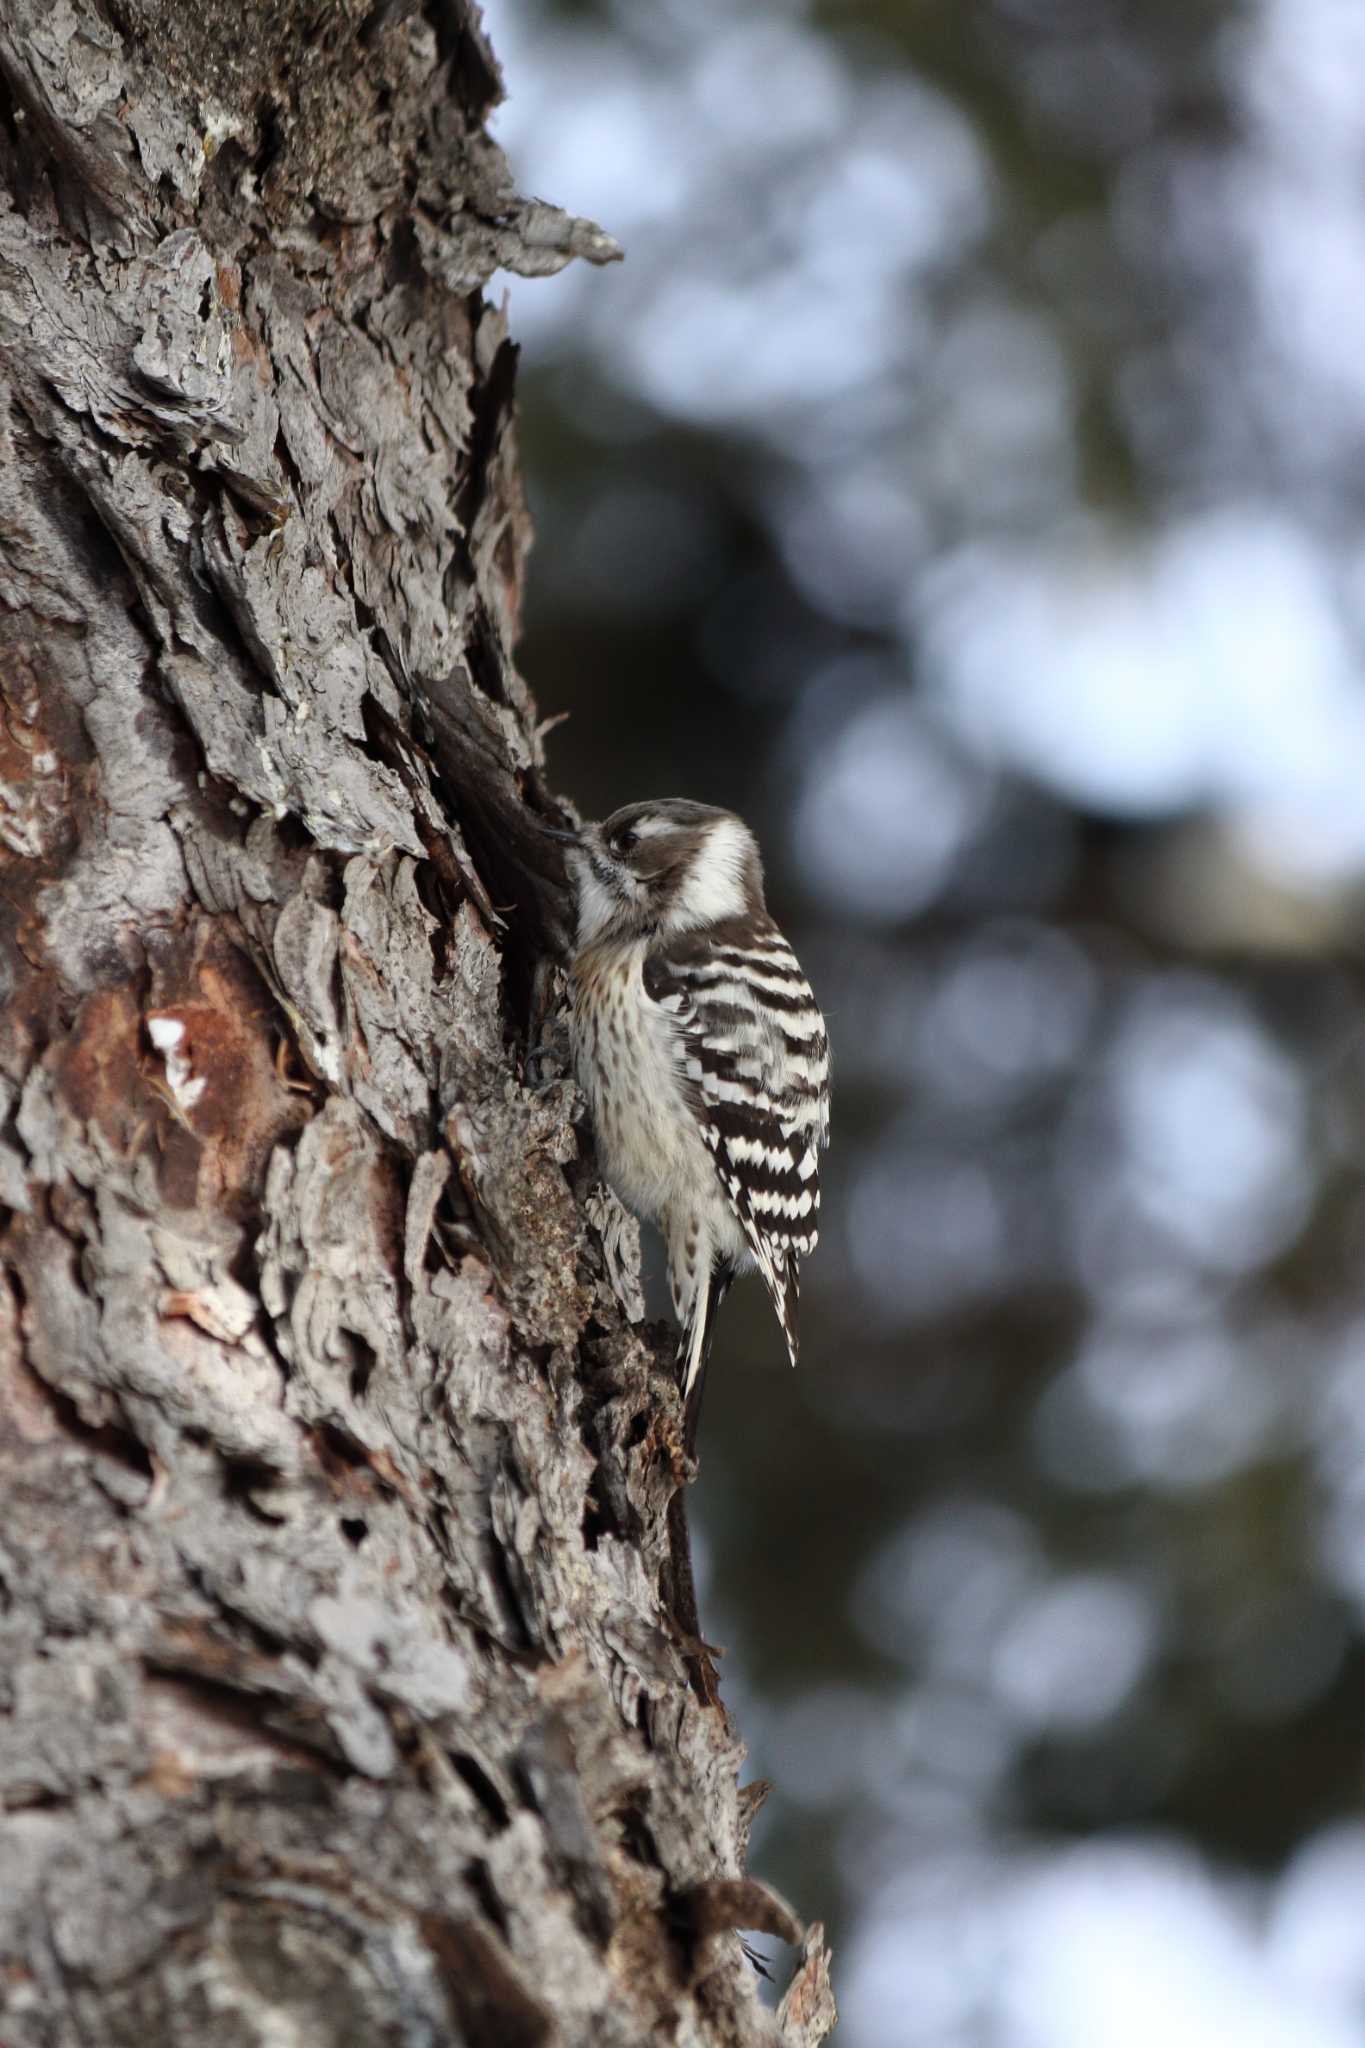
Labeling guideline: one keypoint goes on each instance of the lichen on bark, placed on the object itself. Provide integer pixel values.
(339, 1687)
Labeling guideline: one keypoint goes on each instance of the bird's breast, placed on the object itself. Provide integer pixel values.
(627, 1062)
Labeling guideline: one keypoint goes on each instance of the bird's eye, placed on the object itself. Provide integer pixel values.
(622, 841)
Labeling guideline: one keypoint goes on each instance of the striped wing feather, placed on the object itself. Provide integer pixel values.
(754, 1053)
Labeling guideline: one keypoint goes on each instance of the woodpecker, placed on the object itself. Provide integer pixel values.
(703, 1057)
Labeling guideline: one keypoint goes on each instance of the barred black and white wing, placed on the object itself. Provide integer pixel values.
(754, 1059)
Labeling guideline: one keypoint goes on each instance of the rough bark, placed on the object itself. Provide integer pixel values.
(339, 1701)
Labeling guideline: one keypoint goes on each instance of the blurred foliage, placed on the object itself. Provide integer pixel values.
(959, 479)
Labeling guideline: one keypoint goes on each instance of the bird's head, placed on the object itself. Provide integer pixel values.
(665, 866)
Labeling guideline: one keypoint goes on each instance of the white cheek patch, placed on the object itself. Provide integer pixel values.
(596, 905)
(714, 887)
(600, 903)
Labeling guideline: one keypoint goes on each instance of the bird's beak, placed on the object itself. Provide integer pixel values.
(554, 832)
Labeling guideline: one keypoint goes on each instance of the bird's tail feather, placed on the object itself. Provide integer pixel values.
(696, 1348)
(786, 1307)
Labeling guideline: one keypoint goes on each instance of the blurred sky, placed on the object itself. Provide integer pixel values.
(962, 477)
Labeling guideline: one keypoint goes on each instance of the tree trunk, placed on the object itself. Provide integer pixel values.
(338, 1699)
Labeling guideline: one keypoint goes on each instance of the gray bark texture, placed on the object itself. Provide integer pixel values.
(342, 1696)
